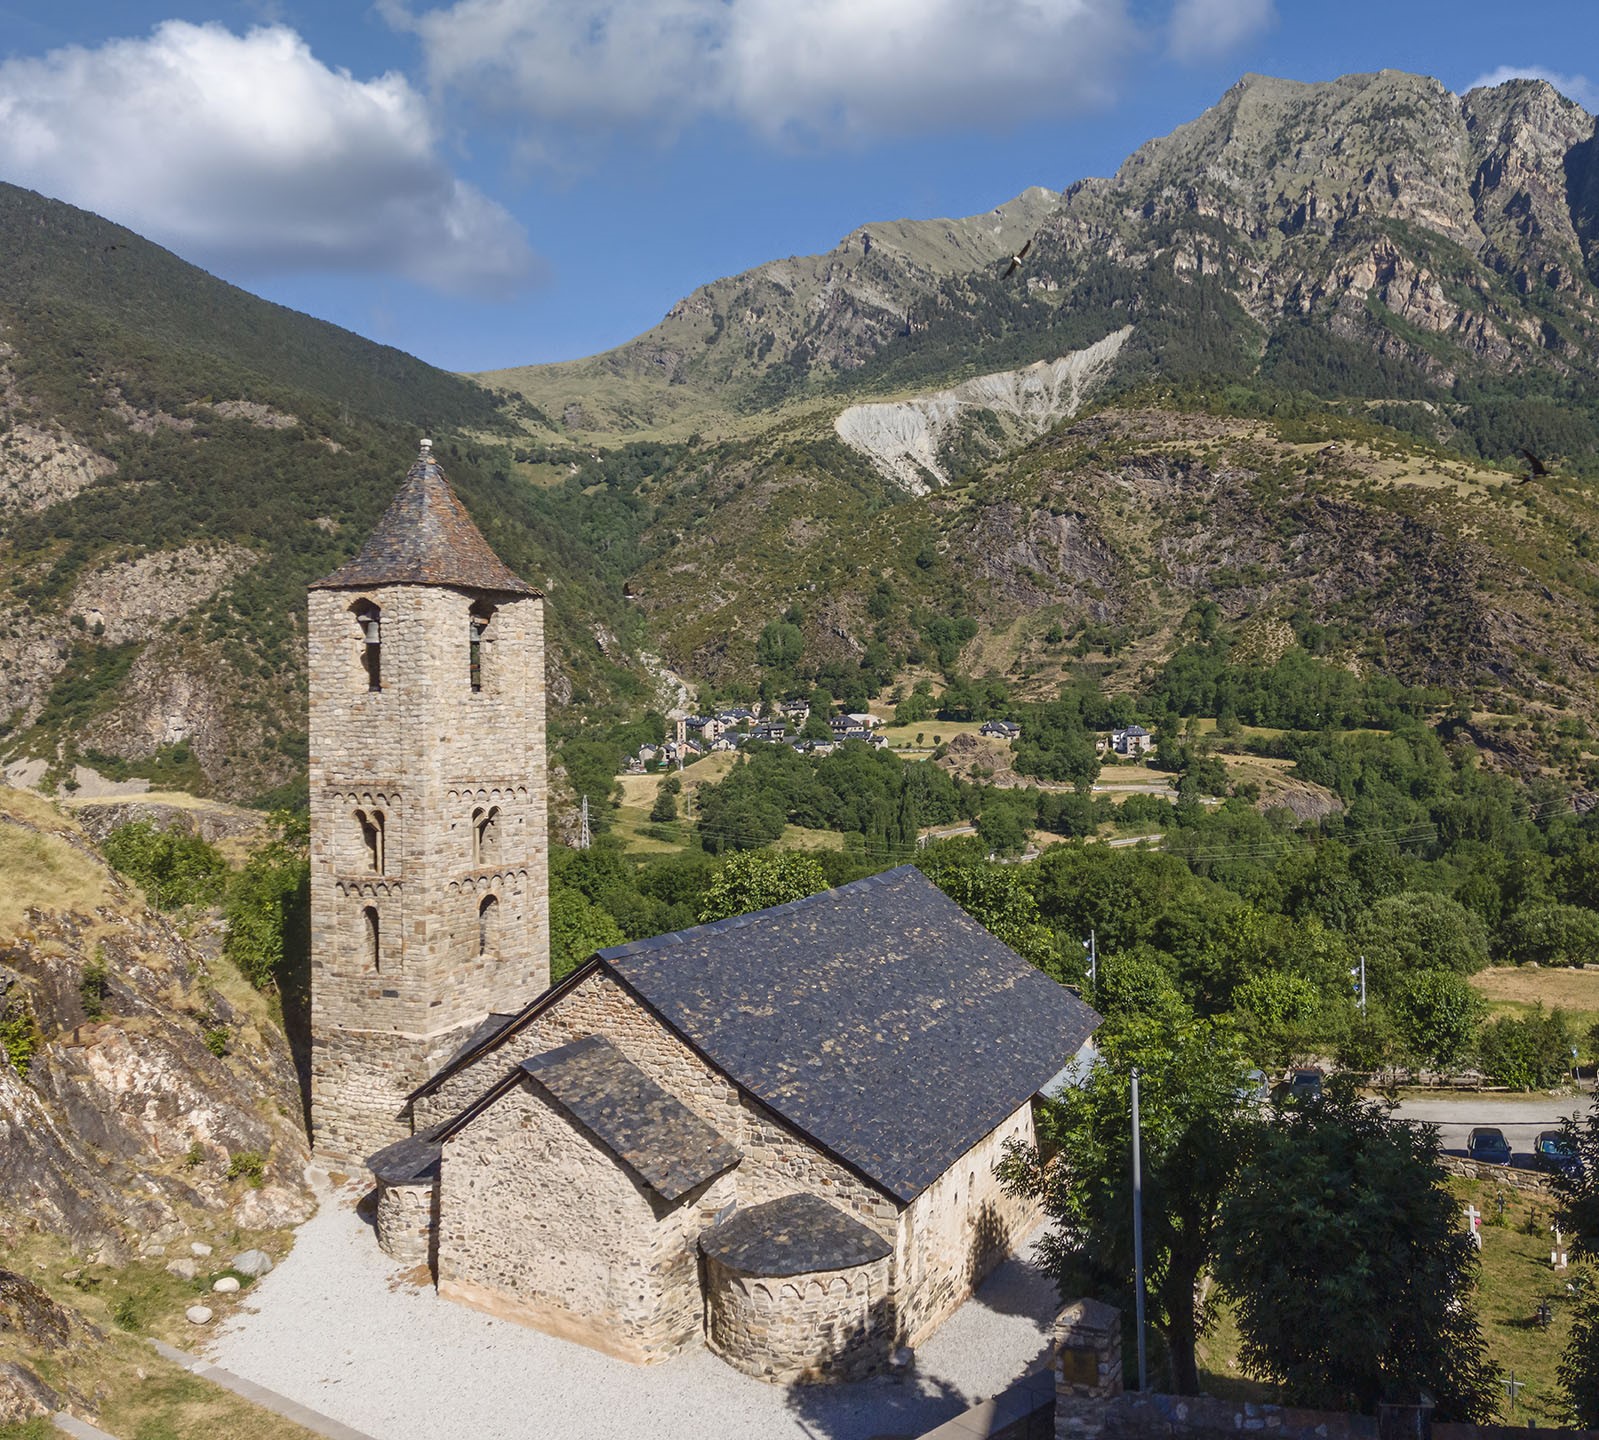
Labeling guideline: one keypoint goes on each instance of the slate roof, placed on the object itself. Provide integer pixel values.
(411, 1160)
(658, 1137)
(879, 1019)
(487, 1031)
(793, 1235)
(426, 538)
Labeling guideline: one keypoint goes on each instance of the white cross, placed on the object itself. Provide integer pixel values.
(1474, 1220)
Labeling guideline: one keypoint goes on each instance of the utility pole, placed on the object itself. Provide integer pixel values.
(584, 839)
(1358, 975)
(1138, 1242)
(1091, 946)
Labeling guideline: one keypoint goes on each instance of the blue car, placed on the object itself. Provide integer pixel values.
(1553, 1154)
(1488, 1146)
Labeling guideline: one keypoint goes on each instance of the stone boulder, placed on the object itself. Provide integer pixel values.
(24, 1396)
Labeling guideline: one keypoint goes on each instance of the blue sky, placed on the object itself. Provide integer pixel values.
(496, 182)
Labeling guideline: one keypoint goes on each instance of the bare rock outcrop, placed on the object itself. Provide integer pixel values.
(140, 1074)
(909, 441)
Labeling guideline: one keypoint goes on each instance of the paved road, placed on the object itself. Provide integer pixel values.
(1521, 1117)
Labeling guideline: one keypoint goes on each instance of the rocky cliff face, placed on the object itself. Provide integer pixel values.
(1448, 211)
(144, 1093)
(918, 443)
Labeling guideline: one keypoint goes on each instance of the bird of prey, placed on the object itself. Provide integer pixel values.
(1016, 260)
(1539, 469)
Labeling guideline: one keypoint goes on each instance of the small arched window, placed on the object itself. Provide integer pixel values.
(486, 835)
(477, 622)
(371, 825)
(369, 922)
(488, 926)
(370, 619)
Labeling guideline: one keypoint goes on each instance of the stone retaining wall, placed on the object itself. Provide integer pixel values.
(1534, 1180)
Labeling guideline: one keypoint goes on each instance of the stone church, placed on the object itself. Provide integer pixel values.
(773, 1135)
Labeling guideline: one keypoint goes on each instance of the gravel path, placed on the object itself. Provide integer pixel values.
(340, 1328)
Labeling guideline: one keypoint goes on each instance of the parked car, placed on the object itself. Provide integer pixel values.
(1254, 1088)
(1488, 1146)
(1552, 1152)
(1301, 1085)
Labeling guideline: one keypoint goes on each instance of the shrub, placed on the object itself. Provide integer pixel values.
(92, 986)
(248, 1165)
(173, 869)
(1526, 1052)
(216, 1040)
(19, 1035)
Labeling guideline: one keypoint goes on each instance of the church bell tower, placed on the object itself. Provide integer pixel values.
(429, 841)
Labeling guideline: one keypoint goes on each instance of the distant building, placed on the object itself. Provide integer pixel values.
(1000, 729)
(1134, 740)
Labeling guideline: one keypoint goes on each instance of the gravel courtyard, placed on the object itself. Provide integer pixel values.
(340, 1328)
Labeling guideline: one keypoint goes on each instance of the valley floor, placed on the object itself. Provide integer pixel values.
(342, 1329)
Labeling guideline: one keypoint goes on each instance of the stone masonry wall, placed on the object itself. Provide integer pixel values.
(359, 1080)
(425, 752)
(407, 1221)
(959, 1228)
(777, 1161)
(540, 1225)
(829, 1326)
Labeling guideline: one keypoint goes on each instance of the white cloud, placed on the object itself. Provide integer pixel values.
(248, 154)
(1204, 30)
(827, 70)
(1574, 87)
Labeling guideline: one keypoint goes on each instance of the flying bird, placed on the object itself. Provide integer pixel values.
(1016, 260)
(1539, 469)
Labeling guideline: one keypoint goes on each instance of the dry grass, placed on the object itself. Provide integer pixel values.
(42, 869)
(1515, 989)
(933, 732)
(141, 1396)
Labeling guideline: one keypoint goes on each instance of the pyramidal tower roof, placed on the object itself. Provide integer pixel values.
(426, 538)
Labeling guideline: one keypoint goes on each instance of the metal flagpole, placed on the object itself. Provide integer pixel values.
(1138, 1242)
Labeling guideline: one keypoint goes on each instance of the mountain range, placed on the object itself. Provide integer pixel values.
(1289, 364)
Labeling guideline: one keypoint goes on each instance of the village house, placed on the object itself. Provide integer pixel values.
(1133, 740)
(1000, 729)
(775, 1135)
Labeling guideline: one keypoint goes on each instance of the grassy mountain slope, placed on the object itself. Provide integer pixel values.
(1372, 265)
(177, 460)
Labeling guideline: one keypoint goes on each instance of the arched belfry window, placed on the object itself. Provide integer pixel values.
(486, 835)
(371, 937)
(477, 623)
(488, 926)
(371, 827)
(370, 619)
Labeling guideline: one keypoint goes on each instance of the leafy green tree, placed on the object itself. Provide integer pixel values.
(664, 810)
(1526, 1052)
(1436, 1014)
(267, 907)
(578, 927)
(1279, 1011)
(1420, 930)
(1135, 985)
(1350, 1273)
(999, 898)
(780, 646)
(1194, 1133)
(1056, 744)
(1549, 933)
(1577, 1194)
(759, 879)
(172, 868)
(1002, 822)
